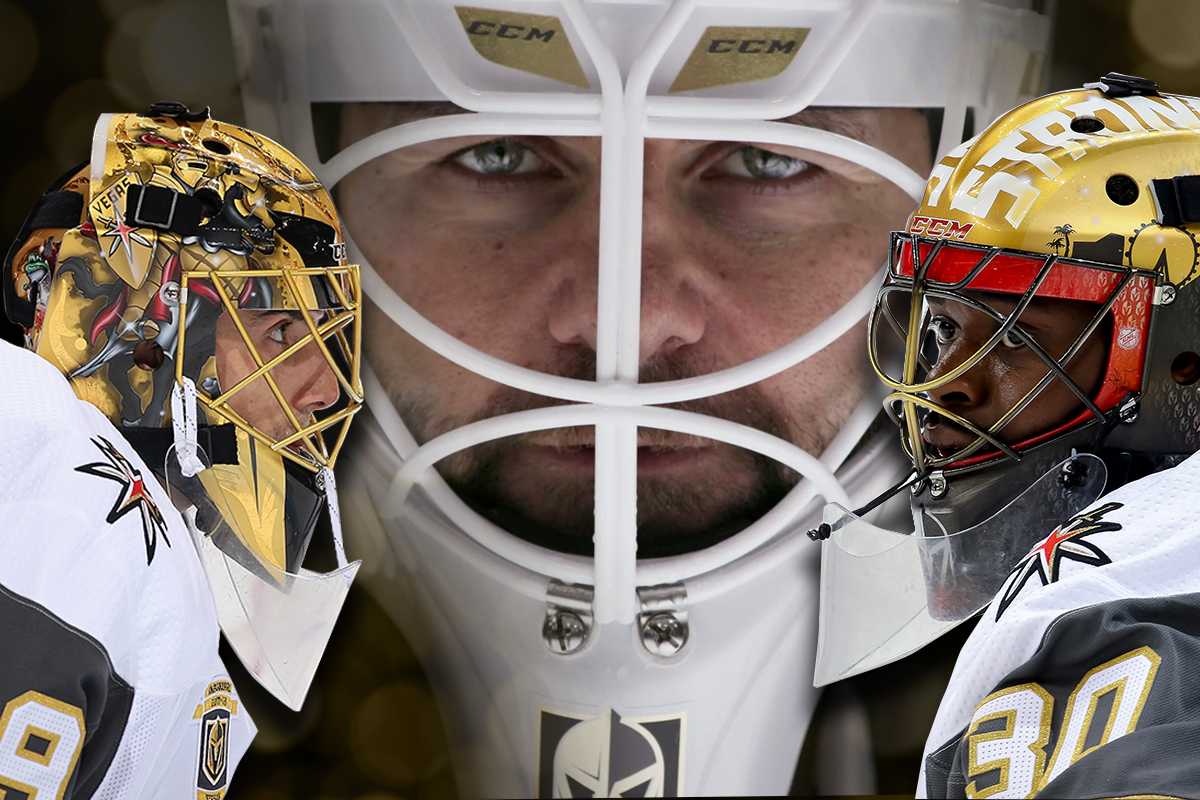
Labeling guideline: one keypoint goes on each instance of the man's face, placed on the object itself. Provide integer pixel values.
(305, 379)
(744, 249)
(990, 389)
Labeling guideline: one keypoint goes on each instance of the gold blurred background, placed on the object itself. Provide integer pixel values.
(370, 730)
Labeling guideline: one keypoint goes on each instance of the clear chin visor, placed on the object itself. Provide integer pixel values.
(885, 595)
(251, 537)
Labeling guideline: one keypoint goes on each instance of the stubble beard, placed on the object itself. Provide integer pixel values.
(674, 515)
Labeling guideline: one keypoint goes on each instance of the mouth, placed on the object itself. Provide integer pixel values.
(657, 451)
(944, 437)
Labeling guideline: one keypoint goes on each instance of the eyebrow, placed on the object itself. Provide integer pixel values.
(267, 316)
(388, 114)
(842, 121)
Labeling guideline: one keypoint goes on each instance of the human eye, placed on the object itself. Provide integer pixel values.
(278, 333)
(1012, 340)
(499, 157)
(284, 330)
(759, 164)
(945, 330)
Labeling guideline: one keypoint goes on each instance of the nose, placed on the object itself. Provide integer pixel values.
(965, 391)
(672, 302)
(316, 386)
(673, 307)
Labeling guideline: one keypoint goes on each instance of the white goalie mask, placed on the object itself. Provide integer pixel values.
(620, 254)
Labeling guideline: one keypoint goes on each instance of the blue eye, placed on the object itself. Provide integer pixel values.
(499, 157)
(754, 162)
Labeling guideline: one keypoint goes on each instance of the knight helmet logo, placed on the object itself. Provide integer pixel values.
(609, 755)
(214, 713)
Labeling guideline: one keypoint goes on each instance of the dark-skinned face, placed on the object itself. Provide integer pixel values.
(986, 392)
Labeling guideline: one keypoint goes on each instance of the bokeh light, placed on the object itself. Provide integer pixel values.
(18, 47)
(71, 119)
(173, 50)
(1168, 31)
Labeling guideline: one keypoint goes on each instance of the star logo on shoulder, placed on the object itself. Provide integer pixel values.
(133, 495)
(1067, 542)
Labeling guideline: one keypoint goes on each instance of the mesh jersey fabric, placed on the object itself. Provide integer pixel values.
(95, 555)
(1084, 660)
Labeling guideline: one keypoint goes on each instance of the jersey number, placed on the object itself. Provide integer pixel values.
(40, 740)
(1010, 728)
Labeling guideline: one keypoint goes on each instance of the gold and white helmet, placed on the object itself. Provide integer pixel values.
(1039, 331)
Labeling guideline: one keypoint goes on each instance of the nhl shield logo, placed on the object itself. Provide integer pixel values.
(609, 755)
(1128, 337)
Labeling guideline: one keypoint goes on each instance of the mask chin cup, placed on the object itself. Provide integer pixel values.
(885, 595)
(277, 621)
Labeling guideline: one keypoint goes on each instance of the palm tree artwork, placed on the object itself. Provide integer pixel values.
(1062, 238)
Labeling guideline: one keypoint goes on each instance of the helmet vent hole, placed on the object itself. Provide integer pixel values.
(210, 201)
(1122, 190)
(1185, 369)
(1086, 125)
(148, 355)
(213, 146)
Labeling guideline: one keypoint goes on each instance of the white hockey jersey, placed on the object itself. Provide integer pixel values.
(110, 683)
(1081, 679)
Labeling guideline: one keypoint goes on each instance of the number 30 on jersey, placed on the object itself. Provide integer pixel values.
(1010, 729)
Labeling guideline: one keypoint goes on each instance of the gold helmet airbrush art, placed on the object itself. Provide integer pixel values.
(1067, 232)
(1089, 197)
(191, 282)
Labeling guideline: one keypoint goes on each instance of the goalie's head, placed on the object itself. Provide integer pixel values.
(618, 257)
(1039, 329)
(560, 198)
(191, 282)
(1042, 296)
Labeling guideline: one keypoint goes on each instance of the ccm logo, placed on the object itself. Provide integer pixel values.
(945, 228)
(751, 46)
(482, 28)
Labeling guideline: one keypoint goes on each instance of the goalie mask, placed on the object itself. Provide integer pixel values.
(607, 247)
(1038, 330)
(191, 282)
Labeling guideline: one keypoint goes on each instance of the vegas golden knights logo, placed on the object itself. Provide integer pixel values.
(216, 742)
(213, 771)
(609, 755)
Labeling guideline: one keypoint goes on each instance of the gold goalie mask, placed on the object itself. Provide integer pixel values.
(1039, 331)
(191, 282)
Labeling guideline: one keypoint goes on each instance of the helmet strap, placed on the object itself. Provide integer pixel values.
(183, 419)
(328, 485)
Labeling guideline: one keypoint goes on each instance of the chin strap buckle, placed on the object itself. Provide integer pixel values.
(663, 620)
(569, 620)
(177, 110)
